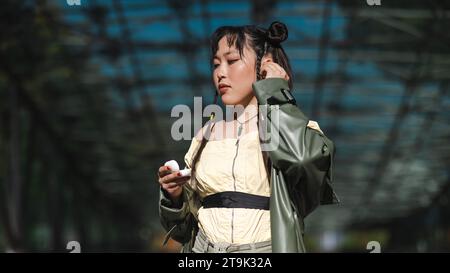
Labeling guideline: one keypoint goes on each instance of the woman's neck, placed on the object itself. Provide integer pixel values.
(250, 110)
(246, 118)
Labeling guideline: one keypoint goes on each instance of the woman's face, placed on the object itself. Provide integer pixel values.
(233, 76)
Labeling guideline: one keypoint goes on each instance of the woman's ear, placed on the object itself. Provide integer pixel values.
(267, 58)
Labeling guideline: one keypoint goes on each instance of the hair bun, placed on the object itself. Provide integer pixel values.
(277, 33)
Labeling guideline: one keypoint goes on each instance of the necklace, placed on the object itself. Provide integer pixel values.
(242, 123)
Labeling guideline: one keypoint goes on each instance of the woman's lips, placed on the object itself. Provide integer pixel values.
(223, 89)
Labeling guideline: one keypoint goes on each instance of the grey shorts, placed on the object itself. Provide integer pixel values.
(203, 245)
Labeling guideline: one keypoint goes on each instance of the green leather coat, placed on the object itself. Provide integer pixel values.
(301, 175)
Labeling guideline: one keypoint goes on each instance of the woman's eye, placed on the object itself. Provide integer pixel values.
(233, 61)
(215, 65)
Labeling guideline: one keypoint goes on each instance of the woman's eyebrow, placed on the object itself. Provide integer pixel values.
(226, 53)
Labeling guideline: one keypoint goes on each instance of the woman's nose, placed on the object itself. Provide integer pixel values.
(219, 77)
(220, 73)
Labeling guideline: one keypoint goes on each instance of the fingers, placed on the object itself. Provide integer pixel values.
(276, 67)
(273, 70)
(169, 177)
(272, 66)
(173, 177)
(163, 171)
(175, 184)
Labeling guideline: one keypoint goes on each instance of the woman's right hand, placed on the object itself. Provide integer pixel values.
(172, 182)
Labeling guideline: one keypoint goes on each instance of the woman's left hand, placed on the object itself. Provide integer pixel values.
(270, 69)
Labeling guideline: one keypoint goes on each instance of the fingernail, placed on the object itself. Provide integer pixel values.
(179, 174)
(168, 168)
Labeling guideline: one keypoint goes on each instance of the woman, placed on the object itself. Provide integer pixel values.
(224, 206)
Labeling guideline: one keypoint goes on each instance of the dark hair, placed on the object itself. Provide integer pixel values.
(262, 41)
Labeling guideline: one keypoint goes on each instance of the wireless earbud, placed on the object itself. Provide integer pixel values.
(173, 164)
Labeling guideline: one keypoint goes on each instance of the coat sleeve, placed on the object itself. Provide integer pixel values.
(178, 221)
(303, 154)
